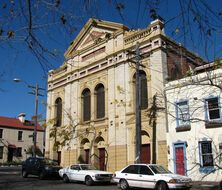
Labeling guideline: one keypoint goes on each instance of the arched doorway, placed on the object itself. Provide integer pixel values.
(85, 151)
(101, 153)
(145, 148)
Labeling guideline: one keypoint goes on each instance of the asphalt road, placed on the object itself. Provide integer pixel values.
(16, 182)
(11, 179)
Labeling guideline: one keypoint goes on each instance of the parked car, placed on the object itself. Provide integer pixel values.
(41, 167)
(150, 176)
(85, 173)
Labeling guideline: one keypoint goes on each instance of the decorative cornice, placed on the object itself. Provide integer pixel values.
(137, 35)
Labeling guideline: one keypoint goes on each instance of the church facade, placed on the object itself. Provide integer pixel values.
(91, 96)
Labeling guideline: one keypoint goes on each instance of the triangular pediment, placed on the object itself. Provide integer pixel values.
(93, 31)
(93, 36)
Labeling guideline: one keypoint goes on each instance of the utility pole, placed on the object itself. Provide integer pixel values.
(138, 104)
(35, 91)
(153, 118)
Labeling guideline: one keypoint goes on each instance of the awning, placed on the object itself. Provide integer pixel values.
(11, 146)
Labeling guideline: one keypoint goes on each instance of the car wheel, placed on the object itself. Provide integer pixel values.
(88, 180)
(42, 175)
(123, 184)
(161, 186)
(65, 179)
(24, 173)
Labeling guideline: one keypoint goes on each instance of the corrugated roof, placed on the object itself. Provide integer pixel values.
(16, 123)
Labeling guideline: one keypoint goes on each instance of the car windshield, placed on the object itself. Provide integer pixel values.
(87, 167)
(157, 169)
(50, 162)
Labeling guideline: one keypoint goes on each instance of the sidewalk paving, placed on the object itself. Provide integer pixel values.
(211, 185)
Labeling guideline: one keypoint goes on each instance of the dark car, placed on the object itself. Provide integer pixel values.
(41, 167)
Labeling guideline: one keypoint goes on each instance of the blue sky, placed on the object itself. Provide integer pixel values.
(17, 61)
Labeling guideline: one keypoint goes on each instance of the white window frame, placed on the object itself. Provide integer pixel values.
(182, 113)
(201, 154)
(212, 109)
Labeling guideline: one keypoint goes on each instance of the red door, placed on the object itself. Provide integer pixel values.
(145, 153)
(87, 156)
(180, 168)
(102, 158)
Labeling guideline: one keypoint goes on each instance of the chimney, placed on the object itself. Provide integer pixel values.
(21, 117)
(157, 24)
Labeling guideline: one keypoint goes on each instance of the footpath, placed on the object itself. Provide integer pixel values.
(201, 185)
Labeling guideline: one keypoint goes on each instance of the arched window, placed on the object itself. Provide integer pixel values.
(143, 94)
(58, 112)
(86, 102)
(100, 101)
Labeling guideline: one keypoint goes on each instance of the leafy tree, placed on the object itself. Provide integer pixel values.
(32, 23)
(38, 152)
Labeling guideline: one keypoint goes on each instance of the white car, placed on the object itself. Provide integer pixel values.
(150, 176)
(84, 172)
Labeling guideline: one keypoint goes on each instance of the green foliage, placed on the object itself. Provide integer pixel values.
(10, 33)
(120, 6)
(189, 73)
(53, 132)
(217, 63)
(38, 152)
(62, 135)
(63, 19)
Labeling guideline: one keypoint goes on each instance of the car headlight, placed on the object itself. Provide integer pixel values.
(47, 167)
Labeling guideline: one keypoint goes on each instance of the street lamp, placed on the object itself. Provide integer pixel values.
(35, 91)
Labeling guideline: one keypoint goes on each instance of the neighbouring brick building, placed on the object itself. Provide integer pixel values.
(94, 90)
(15, 138)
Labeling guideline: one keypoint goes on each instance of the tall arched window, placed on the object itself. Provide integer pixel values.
(58, 112)
(86, 104)
(100, 101)
(144, 95)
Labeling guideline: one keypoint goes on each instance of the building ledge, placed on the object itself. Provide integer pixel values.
(207, 169)
(212, 124)
(183, 128)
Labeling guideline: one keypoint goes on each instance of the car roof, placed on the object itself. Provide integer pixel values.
(145, 164)
(41, 158)
(35, 157)
(81, 165)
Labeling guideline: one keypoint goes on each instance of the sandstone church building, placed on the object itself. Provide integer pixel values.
(94, 90)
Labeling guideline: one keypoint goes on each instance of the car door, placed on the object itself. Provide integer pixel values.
(31, 166)
(146, 177)
(131, 175)
(37, 167)
(73, 173)
(27, 165)
(81, 173)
